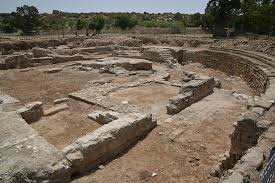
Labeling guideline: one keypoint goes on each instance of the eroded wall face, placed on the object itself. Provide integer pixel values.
(235, 66)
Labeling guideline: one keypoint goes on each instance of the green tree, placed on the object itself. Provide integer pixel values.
(196, 20)
(244, 15)
(92, 25)
(177, 16)
(27, 19)
(175, 28)
(184, 22)
(125, 21)
(99, 23)
(261, 19)
(80, 24)
(8, 24)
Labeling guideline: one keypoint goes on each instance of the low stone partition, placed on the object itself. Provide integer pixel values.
(190, 93)
(110, 140)
(233, 64)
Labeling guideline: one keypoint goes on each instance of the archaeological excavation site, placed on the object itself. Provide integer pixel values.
(135, 108)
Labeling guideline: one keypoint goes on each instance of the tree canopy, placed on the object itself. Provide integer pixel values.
(244, 15)
(27, 19)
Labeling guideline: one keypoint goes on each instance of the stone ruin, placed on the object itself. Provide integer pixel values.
(25, 156)
(191, 92)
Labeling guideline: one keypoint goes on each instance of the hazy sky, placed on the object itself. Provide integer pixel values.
(183, 6)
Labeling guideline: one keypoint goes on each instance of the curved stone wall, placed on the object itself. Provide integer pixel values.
(236, 65)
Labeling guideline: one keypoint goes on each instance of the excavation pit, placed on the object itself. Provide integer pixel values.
(143, 142)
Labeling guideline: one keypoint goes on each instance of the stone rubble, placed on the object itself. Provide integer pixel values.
(104, 117)
(31, 112)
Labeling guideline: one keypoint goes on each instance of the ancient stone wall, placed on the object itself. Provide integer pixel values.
(20, 45)
(190, 93)
(108, 141)
(234, 65)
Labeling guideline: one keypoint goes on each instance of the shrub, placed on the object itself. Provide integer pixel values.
(175, 29)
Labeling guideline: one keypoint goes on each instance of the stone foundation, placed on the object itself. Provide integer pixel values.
(190, 93)
(108, 141)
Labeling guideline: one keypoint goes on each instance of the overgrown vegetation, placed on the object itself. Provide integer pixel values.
(256, 16)
(62, 22)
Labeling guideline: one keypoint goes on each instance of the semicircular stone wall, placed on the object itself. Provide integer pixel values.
(249, 69)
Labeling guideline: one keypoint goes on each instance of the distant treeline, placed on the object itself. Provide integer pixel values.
(256, 16)
(28, 21)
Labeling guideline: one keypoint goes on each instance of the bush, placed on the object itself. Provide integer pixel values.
(175, 29)
(125, 21)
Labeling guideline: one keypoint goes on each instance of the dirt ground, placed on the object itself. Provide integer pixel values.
(65, 127)
(34, 85)
(151, 98)
(183, 149)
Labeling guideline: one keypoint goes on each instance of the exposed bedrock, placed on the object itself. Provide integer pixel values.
(108, 141)
(190, 93)
(26, 156)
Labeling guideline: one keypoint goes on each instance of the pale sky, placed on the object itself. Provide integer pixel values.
(151, 6)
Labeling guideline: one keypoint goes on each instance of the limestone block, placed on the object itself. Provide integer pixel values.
(108, 141)
(52, 70)
(41, 52)
(56, 109)
(61, 100)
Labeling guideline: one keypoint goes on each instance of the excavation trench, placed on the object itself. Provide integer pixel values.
(193, 137)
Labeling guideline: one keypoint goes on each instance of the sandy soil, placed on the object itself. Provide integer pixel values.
(34, 85)
(183, 148)
(151, 98)
(65, 127)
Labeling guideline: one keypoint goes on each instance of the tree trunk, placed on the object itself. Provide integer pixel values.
(87, 32)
